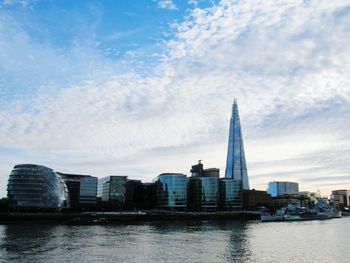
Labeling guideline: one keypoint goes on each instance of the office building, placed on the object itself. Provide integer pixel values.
(282, 188)
(236, 167)
(203, 188)
(36, 187)
(82, 189)
(135, 194)
(230, 194)
(203, 193)
(171, 191)
(112, 189)
(341, 198)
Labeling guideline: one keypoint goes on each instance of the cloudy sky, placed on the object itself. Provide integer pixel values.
(143, 87)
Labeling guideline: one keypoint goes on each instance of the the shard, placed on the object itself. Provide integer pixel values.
(236, 166)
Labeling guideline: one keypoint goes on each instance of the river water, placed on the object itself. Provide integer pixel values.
(206, 241)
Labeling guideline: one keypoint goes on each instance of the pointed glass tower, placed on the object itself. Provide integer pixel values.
(236, 166)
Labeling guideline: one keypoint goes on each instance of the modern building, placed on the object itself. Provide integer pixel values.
(171, 191)
(112, 189)
(82, 189)
(341, 198)
(282, 188)
(230, 194)
(203, 188)
(150, 196)
(36, 187)
(203, 193)
(236, 167)
(135, 194)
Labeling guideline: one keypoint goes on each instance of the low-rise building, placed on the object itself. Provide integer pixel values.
(340, 199)
(276, 188)
(255, 198)
(203, 188)
(112, 189)
(230, 194)
(171, 191)
(82, 189)
(34, 187)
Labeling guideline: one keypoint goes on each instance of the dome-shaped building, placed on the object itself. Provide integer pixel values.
(32, 186)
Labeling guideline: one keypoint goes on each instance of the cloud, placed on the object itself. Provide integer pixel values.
(167, 4)
(287, 62)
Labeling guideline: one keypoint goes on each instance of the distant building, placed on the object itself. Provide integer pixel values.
(281, 188)
(197, 170)
(135, 194)
(211, 172)
(171, 191)
(230, 194)
(236, 167)
(150, 199)
(255, 198)
(203, 193)
(203, 188)
(33, 187)
(341, 198)
(82, 189)
(112, 189)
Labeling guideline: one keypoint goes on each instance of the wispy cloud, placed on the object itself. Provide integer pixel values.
(167, 4)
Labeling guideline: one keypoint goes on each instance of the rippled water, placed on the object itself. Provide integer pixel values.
(217, 241)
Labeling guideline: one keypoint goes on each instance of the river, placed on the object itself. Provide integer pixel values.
(206, 241)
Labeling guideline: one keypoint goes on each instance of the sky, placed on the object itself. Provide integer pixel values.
(139, 88)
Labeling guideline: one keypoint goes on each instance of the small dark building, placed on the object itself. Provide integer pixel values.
(255, 198)
(149, 196)
(134, 195)
(197, 169)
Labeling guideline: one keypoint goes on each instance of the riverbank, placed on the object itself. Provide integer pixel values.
(123, 216)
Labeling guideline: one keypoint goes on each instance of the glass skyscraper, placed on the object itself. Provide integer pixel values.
(236, 167)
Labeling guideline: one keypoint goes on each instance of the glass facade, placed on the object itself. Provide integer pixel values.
(281, 188)
(203, 193)
(82, 189)
(33, 186)
(230, 194)
(171, 191)
(112, 188)
(236, 167)
(88, 190)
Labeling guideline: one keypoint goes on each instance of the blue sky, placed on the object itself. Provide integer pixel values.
(144, 87)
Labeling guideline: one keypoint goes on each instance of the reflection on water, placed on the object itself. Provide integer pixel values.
(218, 241)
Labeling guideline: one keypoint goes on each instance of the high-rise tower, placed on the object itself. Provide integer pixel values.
(236, 166)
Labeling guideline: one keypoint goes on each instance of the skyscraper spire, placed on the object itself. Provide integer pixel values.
(236, 166)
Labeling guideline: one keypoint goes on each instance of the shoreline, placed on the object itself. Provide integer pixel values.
(98, 218)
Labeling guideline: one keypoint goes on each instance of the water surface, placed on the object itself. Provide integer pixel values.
(206, 241)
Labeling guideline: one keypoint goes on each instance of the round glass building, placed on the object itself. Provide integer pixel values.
(32, 186)
(171, 191)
